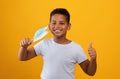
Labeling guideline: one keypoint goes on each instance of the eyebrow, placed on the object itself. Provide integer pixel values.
(55, 21)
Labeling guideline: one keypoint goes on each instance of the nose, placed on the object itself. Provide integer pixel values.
(57, 26)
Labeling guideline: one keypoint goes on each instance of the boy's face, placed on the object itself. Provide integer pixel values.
(59, 25)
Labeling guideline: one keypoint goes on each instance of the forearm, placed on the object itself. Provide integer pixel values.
(92, 66)
(22, 54)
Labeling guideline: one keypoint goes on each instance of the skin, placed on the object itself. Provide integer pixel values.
(58, 22)
(59, 27)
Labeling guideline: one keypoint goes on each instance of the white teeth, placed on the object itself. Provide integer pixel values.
(57, 30)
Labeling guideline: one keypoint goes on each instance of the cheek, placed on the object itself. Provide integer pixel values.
(51, 28)
(66, 28)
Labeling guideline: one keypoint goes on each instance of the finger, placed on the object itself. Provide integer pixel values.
(90, 44)
(29, 41)
(22, 43)
(92, 53)
(25, 41)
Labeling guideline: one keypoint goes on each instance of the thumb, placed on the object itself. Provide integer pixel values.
(30, 41)
(90, 44)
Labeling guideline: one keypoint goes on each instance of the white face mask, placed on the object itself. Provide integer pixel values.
(40, 33)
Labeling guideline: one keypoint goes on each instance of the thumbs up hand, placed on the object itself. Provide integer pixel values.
(91, 51)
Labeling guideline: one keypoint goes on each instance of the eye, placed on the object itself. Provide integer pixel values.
(62, 23)
(53, 23)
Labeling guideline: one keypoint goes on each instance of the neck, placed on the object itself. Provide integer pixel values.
(61, 40)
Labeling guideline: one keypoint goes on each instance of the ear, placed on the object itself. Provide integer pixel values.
(69, 26)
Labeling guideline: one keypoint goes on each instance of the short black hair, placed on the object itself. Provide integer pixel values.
(62, 11)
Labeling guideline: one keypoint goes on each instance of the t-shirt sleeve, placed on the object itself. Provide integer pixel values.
(39, 47)
(80, 56)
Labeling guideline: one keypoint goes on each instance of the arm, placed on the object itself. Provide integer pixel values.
(89, 67)
(24, 52)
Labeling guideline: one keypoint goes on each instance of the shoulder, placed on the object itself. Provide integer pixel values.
(78, 49)
(76, 45)
(41, 46)
(42, 43)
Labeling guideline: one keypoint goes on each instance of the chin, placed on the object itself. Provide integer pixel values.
(59, 36)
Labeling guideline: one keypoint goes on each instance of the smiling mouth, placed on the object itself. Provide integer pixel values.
(57, 31)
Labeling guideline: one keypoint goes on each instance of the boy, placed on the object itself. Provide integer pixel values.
(59, 53)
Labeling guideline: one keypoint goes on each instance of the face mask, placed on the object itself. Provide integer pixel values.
(40, 33)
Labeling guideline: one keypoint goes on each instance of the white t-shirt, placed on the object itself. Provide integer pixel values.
(59, 59)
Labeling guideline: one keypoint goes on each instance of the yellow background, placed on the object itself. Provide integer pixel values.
(92, 20)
